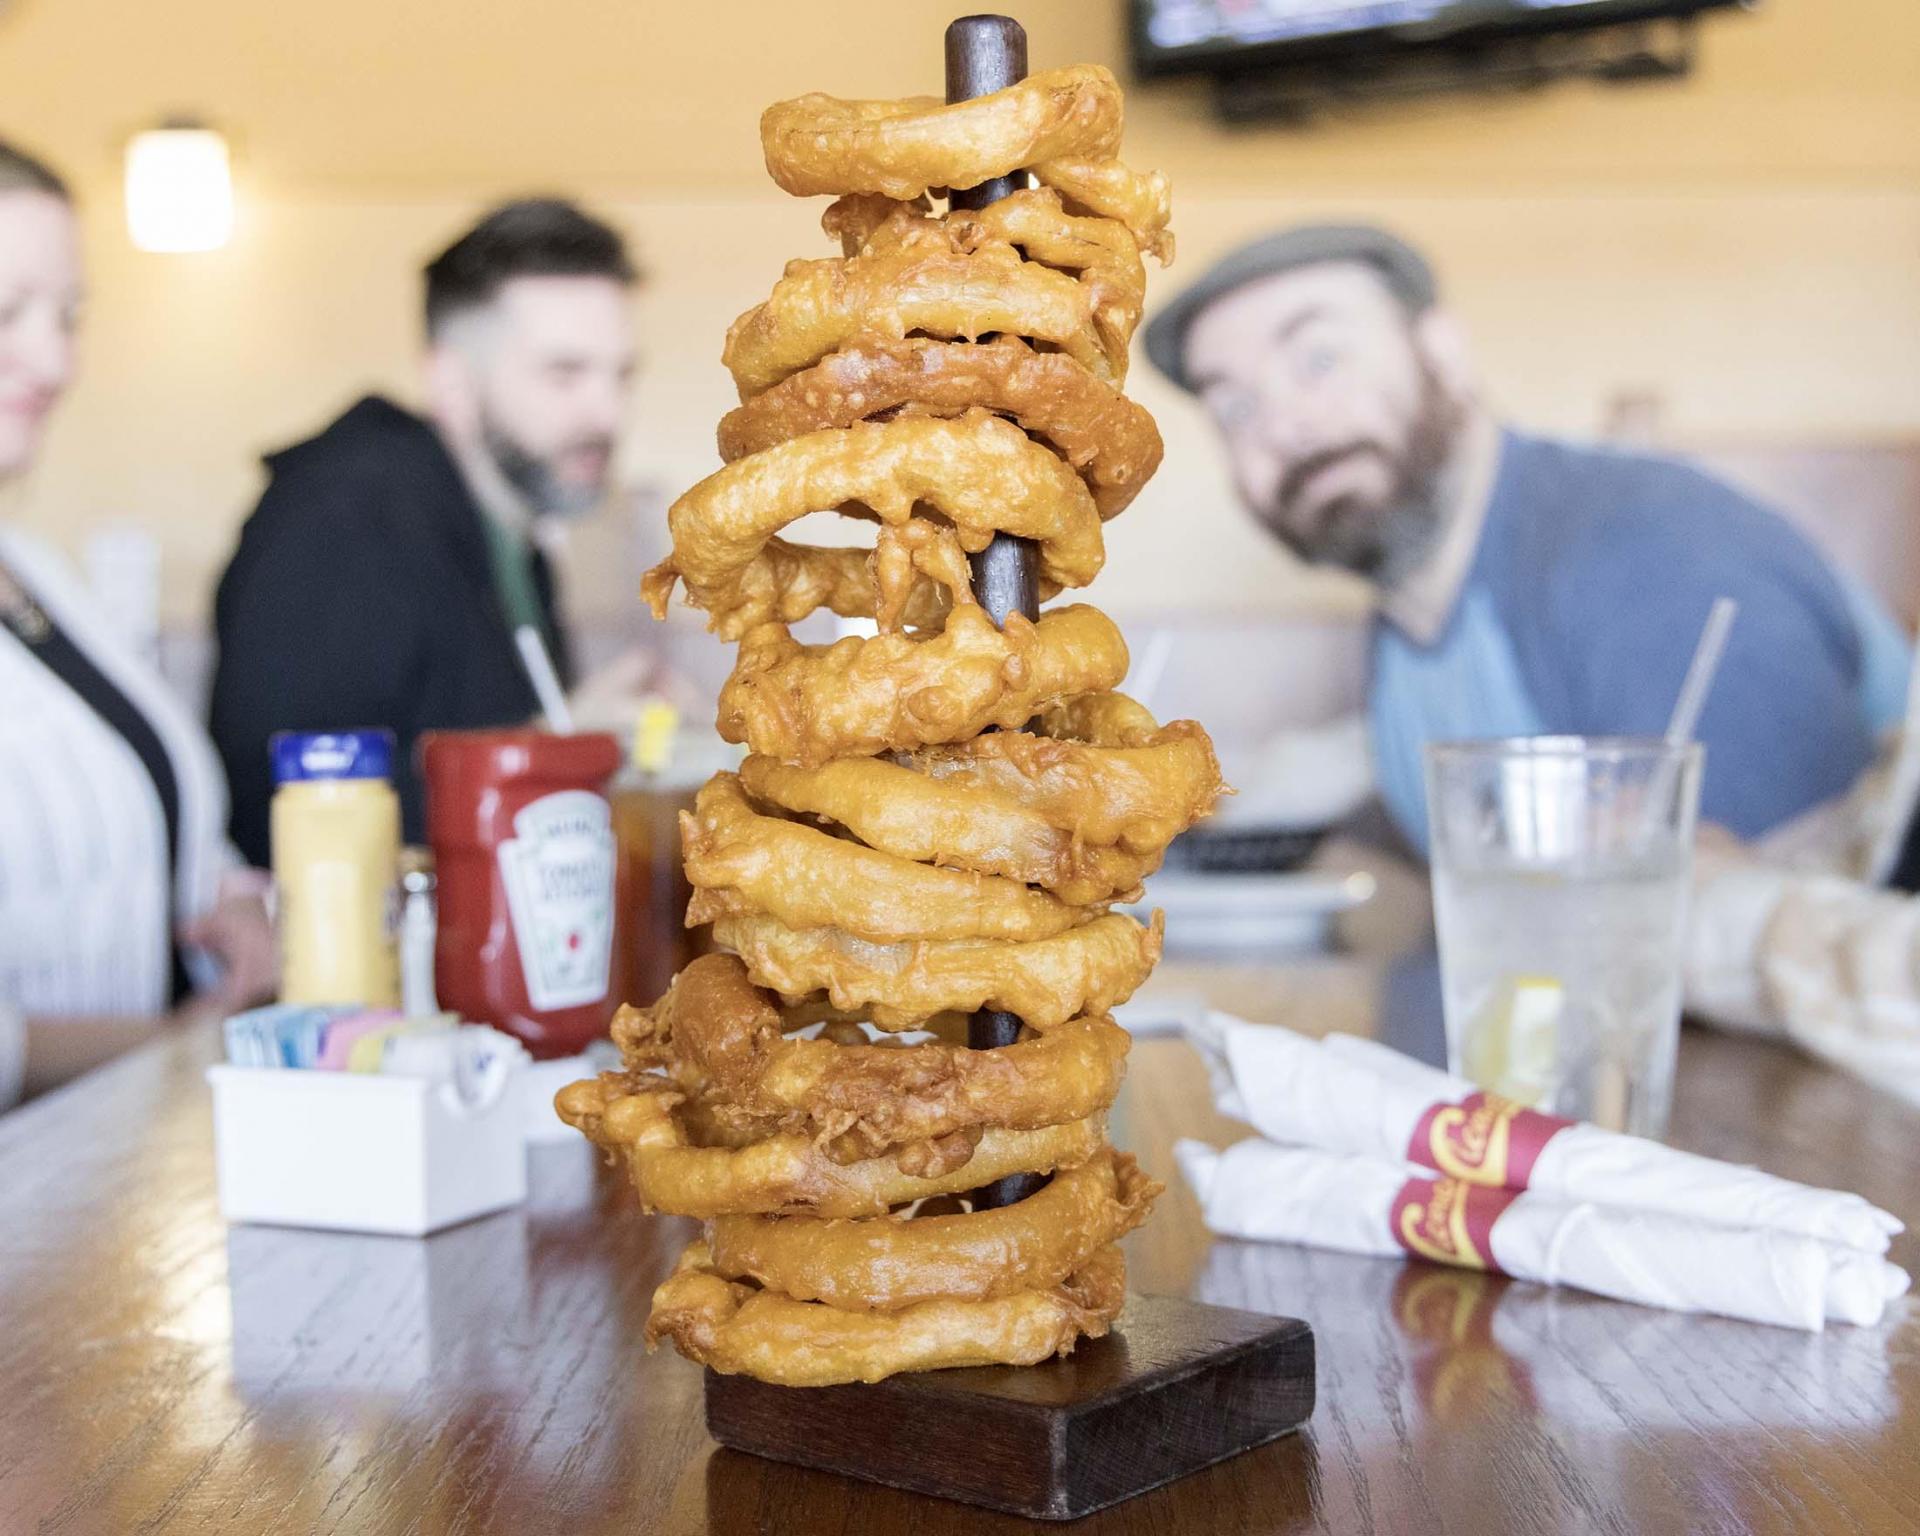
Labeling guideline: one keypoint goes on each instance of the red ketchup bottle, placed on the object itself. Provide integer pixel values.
(523, 841)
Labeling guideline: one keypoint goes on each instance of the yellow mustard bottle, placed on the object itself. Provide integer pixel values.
(336, 867)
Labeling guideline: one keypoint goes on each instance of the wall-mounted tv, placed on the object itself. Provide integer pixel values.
(1226, 36)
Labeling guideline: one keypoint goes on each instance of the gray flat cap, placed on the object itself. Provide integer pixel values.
(1403, 269)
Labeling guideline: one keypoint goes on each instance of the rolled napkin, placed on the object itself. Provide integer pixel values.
(1367, 1205)
(1344, 1094)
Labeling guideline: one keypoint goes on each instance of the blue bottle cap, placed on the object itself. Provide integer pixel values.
(299, 755)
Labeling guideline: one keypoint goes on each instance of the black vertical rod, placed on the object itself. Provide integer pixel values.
(986, 54)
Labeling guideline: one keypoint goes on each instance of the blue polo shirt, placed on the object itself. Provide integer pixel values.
(1594, 575)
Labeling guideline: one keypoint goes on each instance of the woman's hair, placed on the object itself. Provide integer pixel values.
(21, 172)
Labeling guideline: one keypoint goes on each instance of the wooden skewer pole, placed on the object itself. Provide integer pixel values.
(985, 54)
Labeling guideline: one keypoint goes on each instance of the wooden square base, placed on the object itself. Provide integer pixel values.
(1175, 1387)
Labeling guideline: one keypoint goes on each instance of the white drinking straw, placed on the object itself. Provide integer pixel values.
(1699, 680)
(546, 681)
(1145, 678)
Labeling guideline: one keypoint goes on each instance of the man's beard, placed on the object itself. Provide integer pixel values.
(1381, 541)
(532, 476)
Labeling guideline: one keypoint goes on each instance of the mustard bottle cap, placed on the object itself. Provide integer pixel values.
(653, 735)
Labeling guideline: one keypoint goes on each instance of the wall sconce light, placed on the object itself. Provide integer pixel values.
(179, 189)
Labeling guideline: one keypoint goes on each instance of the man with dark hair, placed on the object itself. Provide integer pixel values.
(538, 236)
(382, 577)
(1526, 586)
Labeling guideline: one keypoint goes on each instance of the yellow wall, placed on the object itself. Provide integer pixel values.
(1746, 244)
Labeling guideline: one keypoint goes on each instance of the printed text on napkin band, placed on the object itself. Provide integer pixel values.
(1449, 1221)
(1484, 1139)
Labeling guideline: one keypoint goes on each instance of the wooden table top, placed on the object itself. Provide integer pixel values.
(160, 1372)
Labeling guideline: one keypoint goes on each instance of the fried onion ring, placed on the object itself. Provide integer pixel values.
(1035, 223)
(734, 1328)
(789, 581)
(901, 1261)
(1104, 435)
(901, 148)
(1099, 251)
(818, 306)
(740, 860)
(1113, 777)
(865, 1100)
(917, 817)
(1089, 969)
(807, 704)
(1142, 201)
(981, 474)
(787, 1173)
(1062, 124)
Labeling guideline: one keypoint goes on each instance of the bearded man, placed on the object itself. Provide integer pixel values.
(382, 576)
(1526, 586)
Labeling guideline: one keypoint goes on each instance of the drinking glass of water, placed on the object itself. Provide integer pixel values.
(1560, 875)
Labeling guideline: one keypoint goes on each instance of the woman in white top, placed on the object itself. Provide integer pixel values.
(117, 889)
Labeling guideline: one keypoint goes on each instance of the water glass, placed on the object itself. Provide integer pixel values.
(1561, 867)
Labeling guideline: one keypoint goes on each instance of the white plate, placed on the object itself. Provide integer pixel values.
(1252, 913)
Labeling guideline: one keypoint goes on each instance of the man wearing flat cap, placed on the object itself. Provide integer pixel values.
(1526, 586)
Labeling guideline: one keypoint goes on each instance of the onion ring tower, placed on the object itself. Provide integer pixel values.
(885, 1095)
(933, 820)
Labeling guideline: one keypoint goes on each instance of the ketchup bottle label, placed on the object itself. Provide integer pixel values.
(558, 873)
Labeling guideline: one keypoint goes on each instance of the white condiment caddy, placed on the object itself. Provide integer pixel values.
(544, 1079)
(368, 1152)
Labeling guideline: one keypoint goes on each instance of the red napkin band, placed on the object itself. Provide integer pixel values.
(1449, 1221)
(1484, 1139)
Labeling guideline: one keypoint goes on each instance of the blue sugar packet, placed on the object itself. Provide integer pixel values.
(279, 1035)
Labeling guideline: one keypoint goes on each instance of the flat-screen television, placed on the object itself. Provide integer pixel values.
(1220, 36)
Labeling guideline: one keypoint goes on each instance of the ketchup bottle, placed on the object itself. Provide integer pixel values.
(523, 842)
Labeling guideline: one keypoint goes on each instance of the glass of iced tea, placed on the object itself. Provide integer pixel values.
(651, 940)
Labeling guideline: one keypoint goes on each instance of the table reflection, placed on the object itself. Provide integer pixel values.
(314, 1312)
(1474, 1345)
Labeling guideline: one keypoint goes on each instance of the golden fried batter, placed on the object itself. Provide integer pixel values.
(739, 860)
(901, 1261)
(787, 1172)
(818, 306)
(916, 817)
(1129, 786)
(934, 817)
(1141, 201)
(1034, 222)
(733, 1328)
(1089, 969)
(1063, 125)
(809, 704)
(901, 148)
(718, 1033)
(980, 474)
(1089, 423)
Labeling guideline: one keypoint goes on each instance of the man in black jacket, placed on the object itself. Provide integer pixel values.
(382, 576)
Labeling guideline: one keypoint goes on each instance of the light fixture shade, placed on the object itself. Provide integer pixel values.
(179, 190)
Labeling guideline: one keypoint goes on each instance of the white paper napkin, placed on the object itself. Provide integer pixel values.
(1361, 1204)
(1344, 1094)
